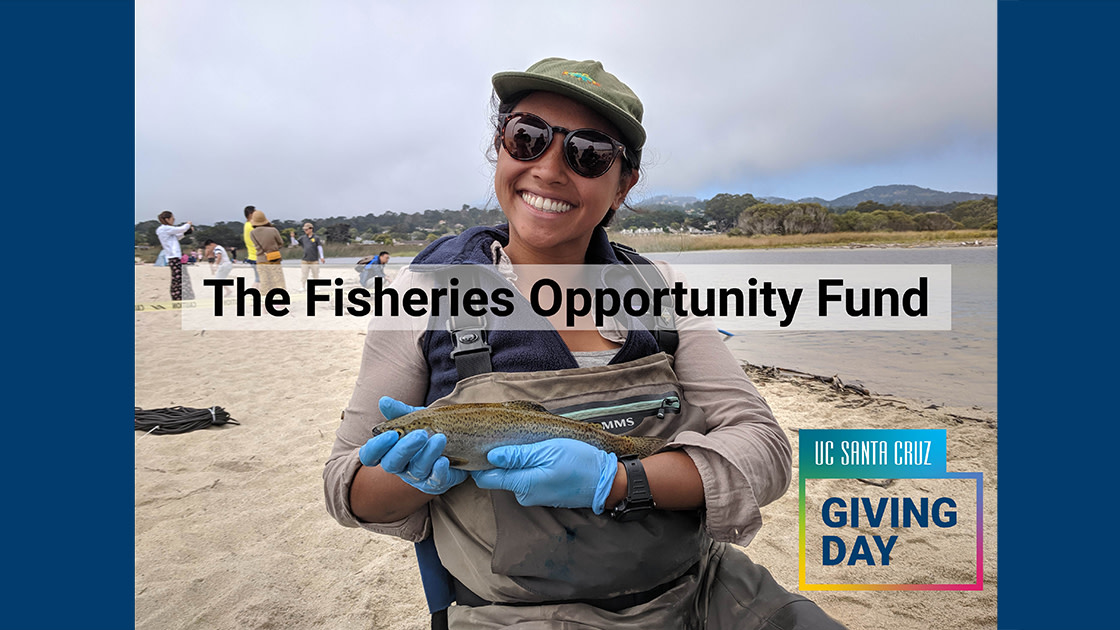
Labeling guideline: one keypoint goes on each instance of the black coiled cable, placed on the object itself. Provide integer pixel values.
(171, 420)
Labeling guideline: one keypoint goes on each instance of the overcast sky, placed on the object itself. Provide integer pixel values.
(346, 107)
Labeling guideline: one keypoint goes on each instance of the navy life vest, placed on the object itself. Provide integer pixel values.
(464, 345)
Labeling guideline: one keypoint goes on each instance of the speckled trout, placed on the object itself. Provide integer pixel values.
(473, 429)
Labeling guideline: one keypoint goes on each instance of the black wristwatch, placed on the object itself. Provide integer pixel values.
(639, 500)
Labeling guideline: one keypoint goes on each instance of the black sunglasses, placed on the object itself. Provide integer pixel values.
(589, 152)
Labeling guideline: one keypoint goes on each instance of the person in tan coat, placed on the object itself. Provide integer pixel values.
(268, 242)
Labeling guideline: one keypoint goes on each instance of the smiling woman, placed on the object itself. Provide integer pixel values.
(558, 530)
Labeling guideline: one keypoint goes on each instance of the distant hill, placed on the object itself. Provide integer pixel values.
(824, 202)
(781, 201)
(904, 194)
(669, 200)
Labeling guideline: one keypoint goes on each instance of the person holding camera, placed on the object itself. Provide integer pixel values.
(169, 236)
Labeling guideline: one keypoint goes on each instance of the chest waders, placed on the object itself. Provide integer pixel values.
(472, 356)
(534, 567)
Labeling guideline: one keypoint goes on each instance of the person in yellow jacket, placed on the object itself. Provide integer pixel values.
(251, 253)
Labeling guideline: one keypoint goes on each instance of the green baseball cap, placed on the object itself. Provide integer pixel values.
(588, 83)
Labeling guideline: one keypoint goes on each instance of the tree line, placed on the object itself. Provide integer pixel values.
(741, 214)
(745, 214)
(386, 229)
(868, 216)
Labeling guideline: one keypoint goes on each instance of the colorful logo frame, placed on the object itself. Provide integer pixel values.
(810, 467)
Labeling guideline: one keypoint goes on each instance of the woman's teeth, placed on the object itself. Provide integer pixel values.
(545, 205)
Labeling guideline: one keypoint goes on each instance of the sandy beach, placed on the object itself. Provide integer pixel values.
(231, 529)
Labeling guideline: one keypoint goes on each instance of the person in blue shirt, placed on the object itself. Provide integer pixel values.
(375, 269)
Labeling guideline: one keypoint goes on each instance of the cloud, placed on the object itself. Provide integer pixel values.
(343, 108)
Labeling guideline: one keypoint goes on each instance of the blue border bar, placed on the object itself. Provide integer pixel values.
(68, 198)
(1057, 423)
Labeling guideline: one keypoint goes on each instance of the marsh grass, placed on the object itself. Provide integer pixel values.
(692, 242)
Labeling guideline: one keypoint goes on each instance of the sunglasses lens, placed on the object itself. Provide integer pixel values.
(526, 137)
(589, 153)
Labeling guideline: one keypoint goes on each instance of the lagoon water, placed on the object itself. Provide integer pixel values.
(955, 367)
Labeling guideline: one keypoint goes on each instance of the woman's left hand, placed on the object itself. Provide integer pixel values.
(556, 473)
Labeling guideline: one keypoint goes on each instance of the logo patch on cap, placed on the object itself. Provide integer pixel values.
(582, 76)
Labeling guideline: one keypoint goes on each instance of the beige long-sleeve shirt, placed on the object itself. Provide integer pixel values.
(744, 457)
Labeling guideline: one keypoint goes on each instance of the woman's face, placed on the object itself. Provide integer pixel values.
(552, 211)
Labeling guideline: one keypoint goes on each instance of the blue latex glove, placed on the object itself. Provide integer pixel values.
(557, 473)
(416, 458)
(392, 408)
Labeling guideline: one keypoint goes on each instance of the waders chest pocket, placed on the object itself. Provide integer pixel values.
(624, 415)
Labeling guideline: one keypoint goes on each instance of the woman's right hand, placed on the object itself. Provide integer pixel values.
(417, 458)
